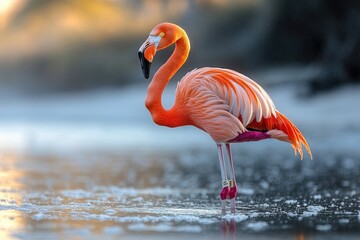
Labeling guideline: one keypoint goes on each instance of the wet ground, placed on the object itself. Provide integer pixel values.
(73, 167)
(163, 195)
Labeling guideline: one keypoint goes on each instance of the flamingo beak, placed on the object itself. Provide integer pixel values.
(146, 54)
(145, 64)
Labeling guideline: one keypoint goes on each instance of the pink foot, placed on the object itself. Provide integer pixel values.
(224, 193)
(233, 192)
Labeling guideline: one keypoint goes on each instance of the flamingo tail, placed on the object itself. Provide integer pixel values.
(294, 136)
(281, 128)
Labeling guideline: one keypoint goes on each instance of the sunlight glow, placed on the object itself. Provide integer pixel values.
(7, 10)
(6, 5)
(10, 220)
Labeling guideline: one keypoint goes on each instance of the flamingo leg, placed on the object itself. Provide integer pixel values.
(232, 181)
(225, 183)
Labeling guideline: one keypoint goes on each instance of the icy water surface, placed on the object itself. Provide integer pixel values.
(72, 167)
(167, 195)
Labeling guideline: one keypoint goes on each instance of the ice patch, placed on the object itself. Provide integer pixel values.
(246, 191)
(78, 232)
(258, 226)
(151, 219)
(315, 208)
(291, 214)
(99, 217)
(43, 216)
(57, 200)
(309, 214)
(236, 217)
(163, 227)
(349, 163)
(172, 211)
(188, 228)
(291, 201)
(344, 221)
(264, 184)
(145, 191)
(323, 227)
(312, 211)
(112, 230)
(254, 214)
(109, 211)
(346, 183)
(77, 194)
(317, 197)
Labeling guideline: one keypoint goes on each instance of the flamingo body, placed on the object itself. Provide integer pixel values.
(227, 105)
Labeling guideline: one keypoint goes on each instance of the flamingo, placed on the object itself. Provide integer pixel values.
(227, 105)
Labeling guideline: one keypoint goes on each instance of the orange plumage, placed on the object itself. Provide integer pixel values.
(227, 105)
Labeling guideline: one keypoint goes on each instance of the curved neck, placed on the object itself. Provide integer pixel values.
(161, 78)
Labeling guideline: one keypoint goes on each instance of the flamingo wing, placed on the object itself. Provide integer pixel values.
(223, 102)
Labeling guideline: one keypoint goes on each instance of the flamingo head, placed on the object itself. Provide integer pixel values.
(161, 36)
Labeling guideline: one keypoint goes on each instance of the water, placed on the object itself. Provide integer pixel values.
(92, 172)
(161, 195)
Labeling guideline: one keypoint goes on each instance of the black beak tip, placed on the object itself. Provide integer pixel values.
(140, 54)
(145, 64)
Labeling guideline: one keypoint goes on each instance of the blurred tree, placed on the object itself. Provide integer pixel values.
(76, 44)
(79, 44)
(322, 31)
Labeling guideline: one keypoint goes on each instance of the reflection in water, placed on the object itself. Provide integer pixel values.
(10, 220)
(300, 236)
(104, 194)
(228, 229)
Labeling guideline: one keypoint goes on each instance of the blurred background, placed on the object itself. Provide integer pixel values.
(71, 45)
(75, 61)
(80, 155)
